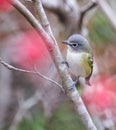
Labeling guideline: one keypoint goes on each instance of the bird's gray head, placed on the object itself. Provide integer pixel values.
(77, 42)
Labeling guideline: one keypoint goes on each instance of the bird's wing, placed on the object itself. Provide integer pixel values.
(90, 62)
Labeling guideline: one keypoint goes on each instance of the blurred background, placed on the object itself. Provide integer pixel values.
(29, 102)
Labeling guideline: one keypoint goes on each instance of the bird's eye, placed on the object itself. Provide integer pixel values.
(74, 44)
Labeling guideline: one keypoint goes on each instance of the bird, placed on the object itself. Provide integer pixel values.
(79, 57)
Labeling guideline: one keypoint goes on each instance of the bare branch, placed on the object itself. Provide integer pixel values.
(44, 77)
(84, 10)
(43, 18)
(40, 13)
(32, 20)
(108, 12)
(55, 8)
(26, 13)
(89, 6)
(67, 11)
(50, 7)
(10, 67)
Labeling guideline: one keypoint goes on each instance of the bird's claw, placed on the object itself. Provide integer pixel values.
(73, 85)
(65, 62)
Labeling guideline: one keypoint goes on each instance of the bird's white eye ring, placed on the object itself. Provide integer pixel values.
(75, 44)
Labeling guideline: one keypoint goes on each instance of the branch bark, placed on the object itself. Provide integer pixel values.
(61, 68)
(40, 13)
(67, 12)
(36, 72)
(31, 19)
(85, 10)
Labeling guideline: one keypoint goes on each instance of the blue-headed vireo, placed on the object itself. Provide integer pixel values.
(79, 57)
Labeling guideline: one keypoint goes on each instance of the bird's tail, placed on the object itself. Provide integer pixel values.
(88, 82)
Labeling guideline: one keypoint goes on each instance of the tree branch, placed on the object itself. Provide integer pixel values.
(50, 80)
(50, 7)
(108, 12)
(67, 11)
(84, 10)
(89, 6)
(10, 67)
(31, 19)
(62, 70)
(43, 18)
(58, 9)
(40, 13)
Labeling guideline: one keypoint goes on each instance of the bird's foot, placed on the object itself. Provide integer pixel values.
(88, 82)
(74, 84)
(65, 62)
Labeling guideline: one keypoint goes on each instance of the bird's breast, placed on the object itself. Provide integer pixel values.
(77, 63)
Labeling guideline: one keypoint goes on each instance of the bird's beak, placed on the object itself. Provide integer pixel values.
(66, 42)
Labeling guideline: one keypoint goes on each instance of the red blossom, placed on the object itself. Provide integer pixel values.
(4, 5)
(29, 50)
(101, 95)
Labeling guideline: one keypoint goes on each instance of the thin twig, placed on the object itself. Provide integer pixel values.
(89, 6)
(10, 67)
(50, 80)
(84, 10)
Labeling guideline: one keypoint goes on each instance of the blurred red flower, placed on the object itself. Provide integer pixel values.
(101, 95)
(4, 5)
(29, 50)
